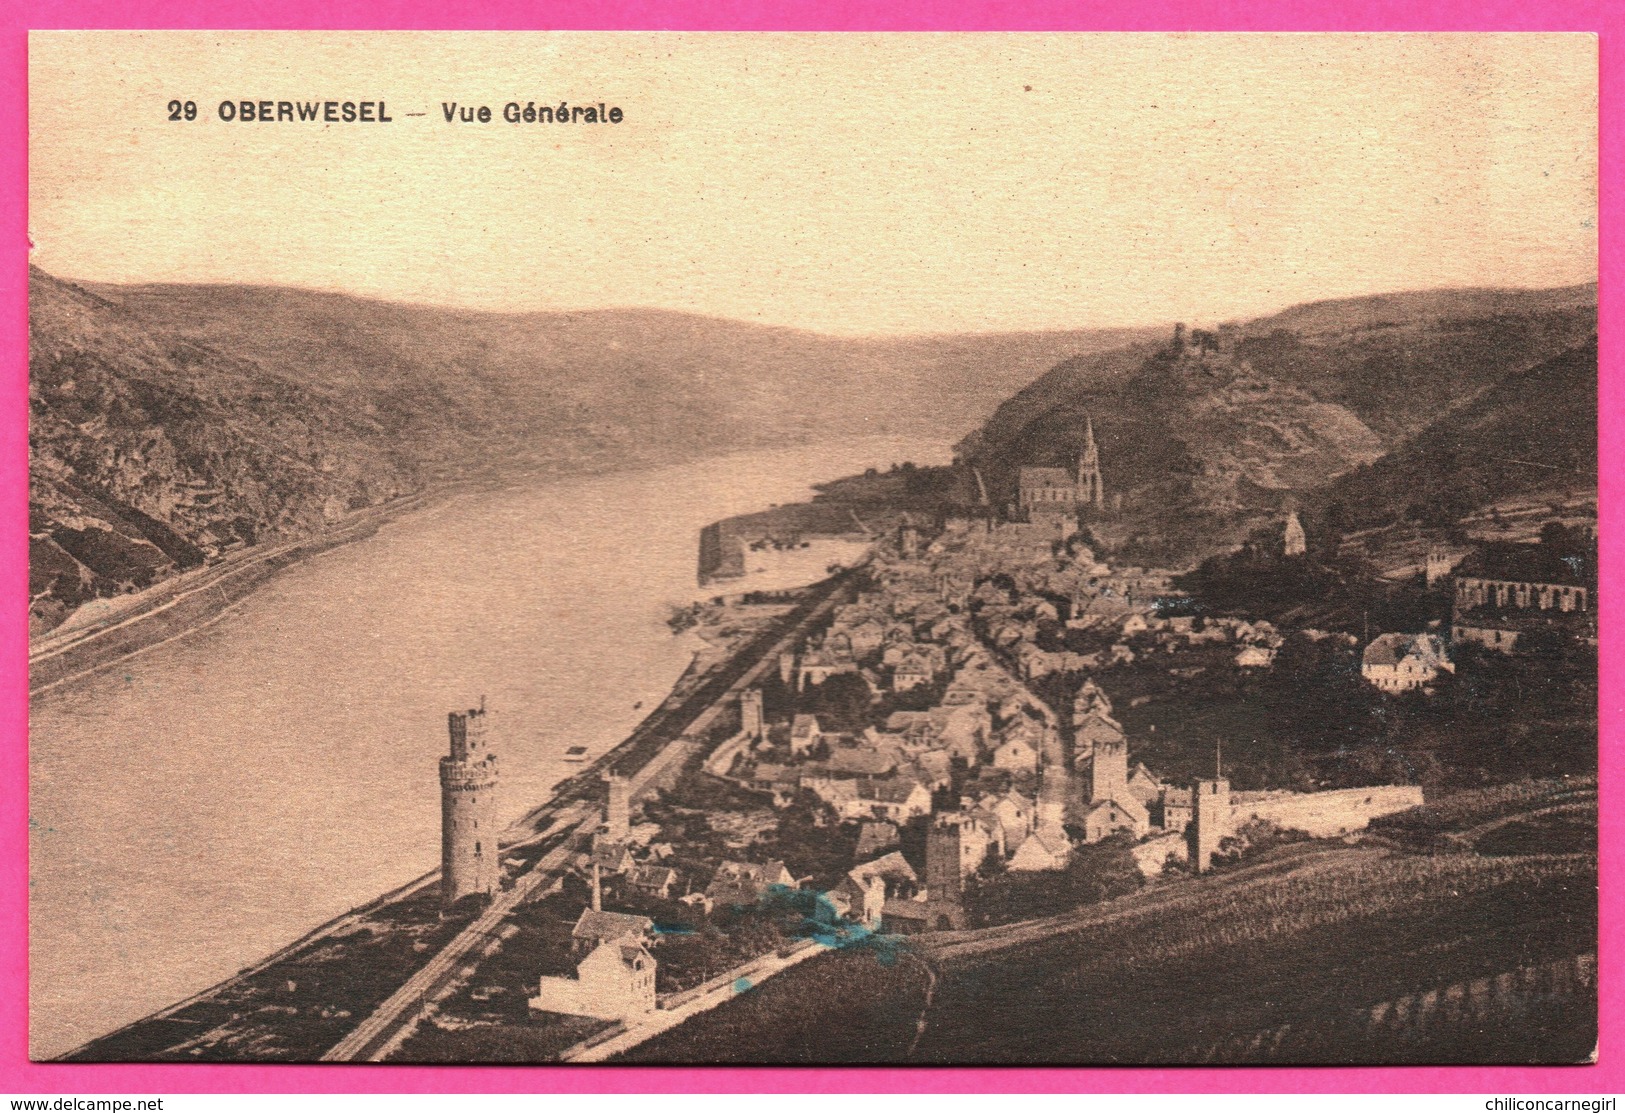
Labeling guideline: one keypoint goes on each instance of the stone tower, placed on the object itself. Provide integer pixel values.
(1294, 543)
(1439, 565)
(1210, 818)
(618, 808)
(1108, 770)
(954, 847)
(908, 540)
(470, 861)
(751, 721)
(1091, 491)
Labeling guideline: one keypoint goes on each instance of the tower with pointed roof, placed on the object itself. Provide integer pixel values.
(1091, 490)
(1049, 494)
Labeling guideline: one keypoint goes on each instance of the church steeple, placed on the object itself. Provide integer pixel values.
(1091, 491)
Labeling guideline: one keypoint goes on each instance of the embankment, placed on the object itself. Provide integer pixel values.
(189, 602)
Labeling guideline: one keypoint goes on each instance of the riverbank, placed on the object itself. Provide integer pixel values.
(190, 601)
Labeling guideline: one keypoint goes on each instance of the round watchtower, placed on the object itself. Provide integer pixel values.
(470, 860)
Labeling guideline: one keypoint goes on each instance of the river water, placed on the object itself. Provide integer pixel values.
(197, 806)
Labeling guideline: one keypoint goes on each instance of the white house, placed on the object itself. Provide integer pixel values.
(1402, 662)
(1255, 657)
(1017, 755)
(805, 733)
(1047, 848)
(616, 981)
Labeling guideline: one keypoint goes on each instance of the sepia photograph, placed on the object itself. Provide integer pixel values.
(796, 548)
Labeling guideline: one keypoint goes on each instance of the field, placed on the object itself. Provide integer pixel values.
(1306, 944)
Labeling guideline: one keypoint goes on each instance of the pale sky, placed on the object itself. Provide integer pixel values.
(849, 183)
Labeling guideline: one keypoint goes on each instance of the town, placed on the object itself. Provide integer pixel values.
(943, 752)
(989, 723)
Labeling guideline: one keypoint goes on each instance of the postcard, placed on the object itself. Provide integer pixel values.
(802, 548)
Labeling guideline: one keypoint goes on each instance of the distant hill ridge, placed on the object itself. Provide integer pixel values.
(171, 422)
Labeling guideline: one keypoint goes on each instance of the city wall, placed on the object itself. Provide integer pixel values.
(1325, 814)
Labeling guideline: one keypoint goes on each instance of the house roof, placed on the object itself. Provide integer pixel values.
(1523, 563)
(607, 852)
(1390, 649)
(1131, 808)
(632, 956)
(892, 867)
(862, 761)
(1050, 839)
(1046, 477)
(652, 877)
(876, 836)
(610, 925)
(764, 873)
(889, 790)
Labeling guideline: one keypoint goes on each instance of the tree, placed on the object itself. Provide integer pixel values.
(841, 703)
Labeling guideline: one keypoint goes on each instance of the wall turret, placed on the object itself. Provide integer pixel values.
(1108, 770)
(752, 723)
(1210, 817)
(617, 808)
(954, 848)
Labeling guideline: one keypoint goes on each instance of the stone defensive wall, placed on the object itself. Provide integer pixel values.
(1325, 814)
(722, 759)
(723, 544)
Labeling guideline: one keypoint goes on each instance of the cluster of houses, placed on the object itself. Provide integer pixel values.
(952, 628)
(987, 761)
(1502, 593)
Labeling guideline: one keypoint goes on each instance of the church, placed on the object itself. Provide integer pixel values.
(1046, 492)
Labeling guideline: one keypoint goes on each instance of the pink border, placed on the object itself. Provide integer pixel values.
(17, 1075)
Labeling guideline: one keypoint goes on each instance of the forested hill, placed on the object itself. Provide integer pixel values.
(172, 422)
(1248, 417)
(1534, 431)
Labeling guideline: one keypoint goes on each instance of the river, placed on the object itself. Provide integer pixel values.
(197, 806)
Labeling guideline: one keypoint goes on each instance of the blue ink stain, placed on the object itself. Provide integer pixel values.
(811, 915)
(741, 985)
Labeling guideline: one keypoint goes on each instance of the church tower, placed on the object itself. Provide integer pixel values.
(1091, 491)
(470, 861)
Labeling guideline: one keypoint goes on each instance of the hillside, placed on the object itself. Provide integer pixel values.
(1203, 437)
(1533, 431)
(172, 423)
